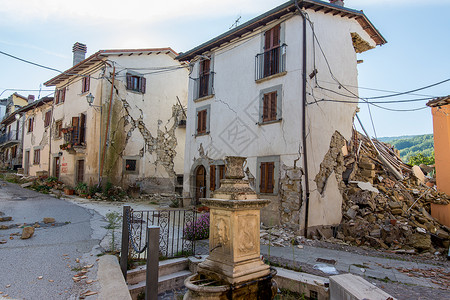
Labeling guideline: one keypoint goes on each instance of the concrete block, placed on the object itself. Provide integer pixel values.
(112, 283)
(302, 283)
(352, 287)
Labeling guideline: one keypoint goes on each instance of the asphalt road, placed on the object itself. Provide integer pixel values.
(52, 251)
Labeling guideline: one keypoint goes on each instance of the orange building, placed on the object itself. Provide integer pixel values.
(440, 109)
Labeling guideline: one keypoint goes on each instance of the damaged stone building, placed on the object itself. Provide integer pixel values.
(275, 90)
(119, 116)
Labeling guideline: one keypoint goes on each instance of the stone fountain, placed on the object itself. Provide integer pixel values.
(233, 269)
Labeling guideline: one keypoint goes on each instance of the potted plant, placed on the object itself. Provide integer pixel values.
(82, 189)
(68, 190)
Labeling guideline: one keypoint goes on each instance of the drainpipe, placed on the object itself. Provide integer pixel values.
(304, 142)
(107, 122)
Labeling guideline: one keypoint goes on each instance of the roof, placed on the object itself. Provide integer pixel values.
(26, 108)
(277, 13)
(20, 96)
(439, 101)
(100, 56)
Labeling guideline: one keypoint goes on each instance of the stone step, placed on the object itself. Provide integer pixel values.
(165, 283)
(352, 287)
(166, 267)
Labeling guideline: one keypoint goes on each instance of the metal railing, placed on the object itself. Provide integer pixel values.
(172, 241)
(203, 86)
(270, 62)
(10, 136)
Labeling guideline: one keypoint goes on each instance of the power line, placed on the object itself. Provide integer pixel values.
(30, 62)
(23, 90)
(368, 102)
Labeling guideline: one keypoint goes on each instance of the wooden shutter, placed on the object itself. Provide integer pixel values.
(201, 121)
(63, 95)
(263, 182)
(75, 132)
(47, 119)
(129, 81)
(270, 177)
(204, 67)
(88, 83)
(57, 96)
(212, 177)
(82, 131)
(272, 38)
(143, 81)
(273, 106)
(267, 177)
(266, 102)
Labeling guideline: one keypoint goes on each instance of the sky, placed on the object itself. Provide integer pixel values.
(44, 31)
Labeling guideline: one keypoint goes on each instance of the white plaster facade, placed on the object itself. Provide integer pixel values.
(234, 108)
(36, 140)
(145, 133)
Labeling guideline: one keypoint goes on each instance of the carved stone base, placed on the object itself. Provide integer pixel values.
(236, 273)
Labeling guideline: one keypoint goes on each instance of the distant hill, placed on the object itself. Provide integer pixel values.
(410, 145)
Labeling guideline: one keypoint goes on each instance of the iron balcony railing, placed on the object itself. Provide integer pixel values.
(13, 135)
(270, 62)
(203, 86)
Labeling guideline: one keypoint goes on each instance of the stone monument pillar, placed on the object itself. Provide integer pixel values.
(234, 234)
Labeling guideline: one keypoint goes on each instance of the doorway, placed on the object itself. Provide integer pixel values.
(26, 167)
(56, 167)
(200, 184)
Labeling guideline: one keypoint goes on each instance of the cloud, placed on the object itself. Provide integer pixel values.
(29, 46)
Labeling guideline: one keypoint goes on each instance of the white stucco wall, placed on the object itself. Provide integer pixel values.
(235, 107)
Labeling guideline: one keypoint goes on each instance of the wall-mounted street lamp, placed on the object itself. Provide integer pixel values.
(90, 100)
(17, 116)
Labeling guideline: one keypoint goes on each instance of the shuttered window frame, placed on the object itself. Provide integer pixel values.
(267, 113)
(136, 82)
(261, 162)
(47, 118)
(202, 120)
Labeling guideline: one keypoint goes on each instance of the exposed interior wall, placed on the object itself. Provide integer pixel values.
(441, 130)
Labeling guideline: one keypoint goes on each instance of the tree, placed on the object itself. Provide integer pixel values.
(420, 158)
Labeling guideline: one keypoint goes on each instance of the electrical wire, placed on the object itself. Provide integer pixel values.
(23, 90)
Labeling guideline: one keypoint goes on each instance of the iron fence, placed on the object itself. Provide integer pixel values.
(270, 62)
(172, 241)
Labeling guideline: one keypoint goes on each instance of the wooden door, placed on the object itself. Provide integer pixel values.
(26, 167)
(57, 167)
(200, 184)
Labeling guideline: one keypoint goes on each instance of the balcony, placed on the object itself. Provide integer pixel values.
(270, 62)
(74, 139)
(11, 137)
(203, 86)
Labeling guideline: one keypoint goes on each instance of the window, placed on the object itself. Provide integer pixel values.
(58, 127)
(60, 96)
(267, 174)
(202, 125)
(266, 180)
(37, 156)
(272, 59)
(130, 165)
(216, 173)
(80, 171)
(136, 82)
(79, 130)
(30, 124)
(270, 104)
(201, 121)
(204, 78)
(85, 84)
(48, 118)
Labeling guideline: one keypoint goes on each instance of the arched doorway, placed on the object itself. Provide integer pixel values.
(200, 183)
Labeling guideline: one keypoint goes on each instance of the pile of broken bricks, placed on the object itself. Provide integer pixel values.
(387, 204)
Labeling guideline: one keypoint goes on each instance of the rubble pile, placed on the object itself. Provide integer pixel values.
(386, 205)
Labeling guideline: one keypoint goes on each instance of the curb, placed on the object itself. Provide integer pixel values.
(112, 283)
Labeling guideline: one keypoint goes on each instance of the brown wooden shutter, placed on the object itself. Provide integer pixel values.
(82, 131)
(204, 67)
(129, 81)
(63, 96)
(143, 84)
(212, 177)
(266, 103)
(199, 122)
(75, 132)
(57, 96)
(276, 36)
(263, 182)
(204, 121)
(273, 106)
(88, 83)
(270, 177)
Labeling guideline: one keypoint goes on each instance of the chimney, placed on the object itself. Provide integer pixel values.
(30, 98)
(79, 52)
(337, 2)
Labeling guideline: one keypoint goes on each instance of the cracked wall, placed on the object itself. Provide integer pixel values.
(145, 127)
(291, 195)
